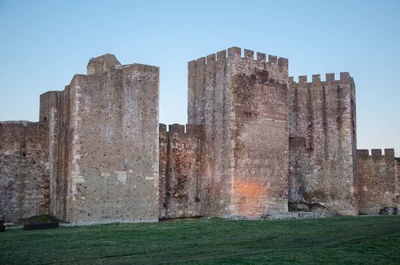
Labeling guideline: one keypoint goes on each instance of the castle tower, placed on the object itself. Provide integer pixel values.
(322, 170)
(104, 144)
(242, 103)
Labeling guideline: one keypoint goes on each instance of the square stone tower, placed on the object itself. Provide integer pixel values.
(242, 103)
(104, 144)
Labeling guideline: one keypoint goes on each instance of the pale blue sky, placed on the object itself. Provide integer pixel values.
(44, 43)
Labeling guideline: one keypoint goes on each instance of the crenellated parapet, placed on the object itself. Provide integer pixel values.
(376, 154)
(246, 56)
(317, 81)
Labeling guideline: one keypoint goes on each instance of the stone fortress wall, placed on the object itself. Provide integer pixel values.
(181, 167)
(256, 142)
(322, 168)
(24, 169)
(377, 184)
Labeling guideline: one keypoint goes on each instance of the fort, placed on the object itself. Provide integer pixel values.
(256, 142)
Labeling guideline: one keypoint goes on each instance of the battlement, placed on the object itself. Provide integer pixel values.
(235, 53)
(188, 130)
(375, 153)
(316, 79)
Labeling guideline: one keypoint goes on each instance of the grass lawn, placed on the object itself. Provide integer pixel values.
(343, 240)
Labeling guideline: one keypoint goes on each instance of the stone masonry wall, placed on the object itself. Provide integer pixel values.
(322, 144)
(243, 106)
(376, 180)
(181, 162)
(24, 174)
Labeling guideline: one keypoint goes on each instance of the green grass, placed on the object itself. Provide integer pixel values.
(339, 240)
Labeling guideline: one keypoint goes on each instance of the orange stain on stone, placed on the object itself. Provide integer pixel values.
(248, 189)
(249, 197)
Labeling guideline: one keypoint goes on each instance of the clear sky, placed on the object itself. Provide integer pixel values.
(44, 43)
